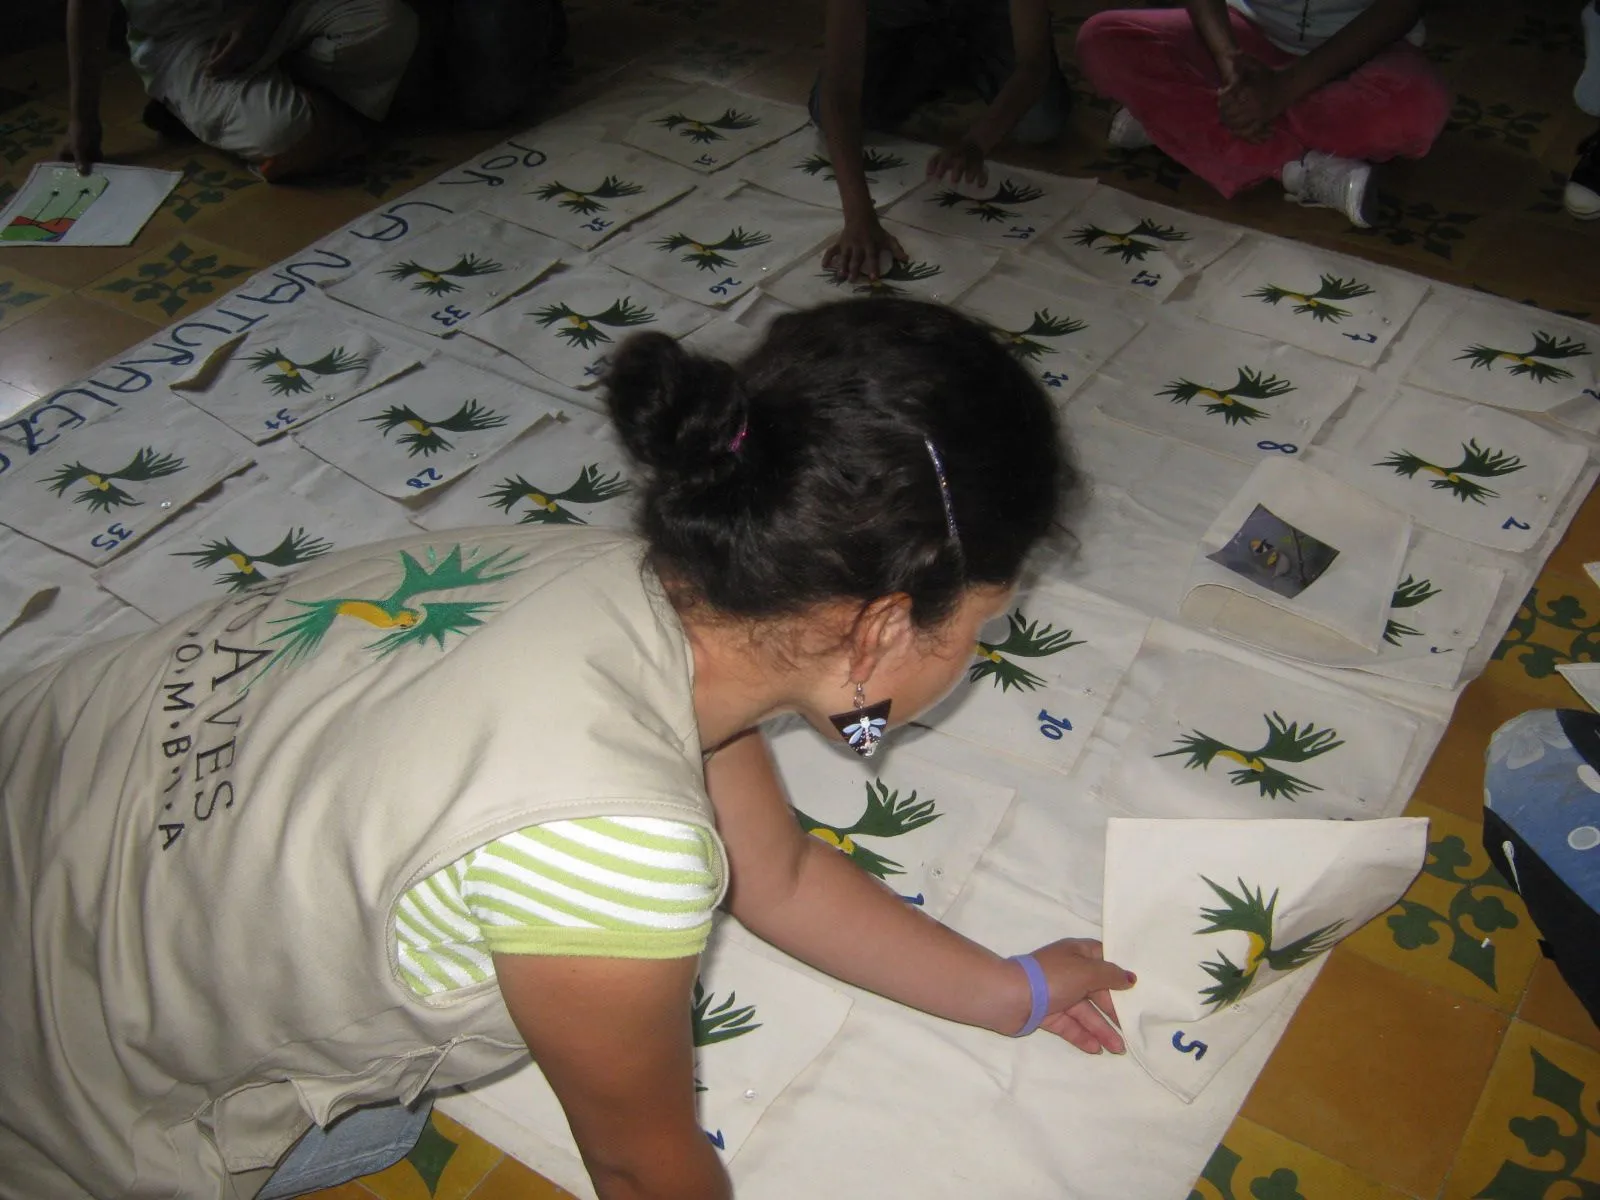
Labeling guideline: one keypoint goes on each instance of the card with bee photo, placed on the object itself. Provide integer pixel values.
(1275, 555)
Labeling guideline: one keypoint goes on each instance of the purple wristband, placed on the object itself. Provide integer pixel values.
(1038, 988)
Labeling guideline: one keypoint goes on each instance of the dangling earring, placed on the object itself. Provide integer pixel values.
(863, 727)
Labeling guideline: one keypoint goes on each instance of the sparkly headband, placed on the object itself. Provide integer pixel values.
(944, 492)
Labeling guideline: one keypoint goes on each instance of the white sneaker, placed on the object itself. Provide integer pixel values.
(1327, 181)
(1126, 133)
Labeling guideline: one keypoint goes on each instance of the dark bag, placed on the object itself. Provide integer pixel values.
(1541, 827)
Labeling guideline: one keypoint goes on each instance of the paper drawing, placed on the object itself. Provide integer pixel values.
(1270, 552)
(49, 213)
(56, 206)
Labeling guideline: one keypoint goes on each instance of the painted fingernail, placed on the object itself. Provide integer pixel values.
(1132, 978)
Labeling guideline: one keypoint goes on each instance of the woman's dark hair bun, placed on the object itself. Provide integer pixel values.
(676, 412)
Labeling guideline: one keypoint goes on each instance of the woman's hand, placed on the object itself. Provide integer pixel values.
(82, 147)
(960, 162)
(1081, 983)
(865, 250)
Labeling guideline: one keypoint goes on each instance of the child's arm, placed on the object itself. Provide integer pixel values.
(1030, 32)
(1210, 18)
(88, 25)
(808, 899)
(864, 249)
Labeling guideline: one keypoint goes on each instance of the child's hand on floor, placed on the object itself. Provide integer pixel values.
(865, 250)
(1081, 983)
(959, 162)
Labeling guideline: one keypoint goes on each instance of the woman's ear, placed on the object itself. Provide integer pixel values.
(883, 630)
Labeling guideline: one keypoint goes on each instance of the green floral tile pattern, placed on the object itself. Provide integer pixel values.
(1414, 925)
(1548, 631)
(27, 131)
(176, 281)
(1561, 1142)
(379, 170)
(1503, 122)
(205, 185)
(1221, 1173)
(15, 298)
(1419, 223)
(431, 1155)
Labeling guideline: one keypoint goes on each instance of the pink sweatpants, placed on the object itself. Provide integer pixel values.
(1153, 63)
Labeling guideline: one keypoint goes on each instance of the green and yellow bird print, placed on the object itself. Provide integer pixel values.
(712, 256)
(1318, 304)
(993, 207)
(102, 493)
(1026, 343)
(712, 1023)
(410, 615)
(1459, 479)
(1408, 594)
(425, 437)
(1538, 362)
(588, 202)
(872, 163)
(1249, 912)
(1230, 403)
(705, 132)
(1286, 743)
(887, 284)
(441, 281)
(887, 815)
(548, 508)
(1134, 245)
(289, 378)
(296, 547)
(585, 331)
(1024, 639)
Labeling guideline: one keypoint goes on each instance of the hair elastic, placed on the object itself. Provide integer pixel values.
(1038, 988)
(738, 438)
(944, 491)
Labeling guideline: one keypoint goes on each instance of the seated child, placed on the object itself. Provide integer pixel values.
(1309, 92)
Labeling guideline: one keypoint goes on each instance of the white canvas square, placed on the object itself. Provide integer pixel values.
(712, 127)
(30, 577)
(425, 428)
(1516, 357)
(1042, 675)
(253, 535)
(800, 167)
(285, 372)
(1352, 596)
(936, 269)
(586, 198)
(1214, 916)
(716, 250)
(757, 1025)
(439, 280)
(1059, 328)
(920, 828)
(116, 481)
(1474, 472)
(1009, 212)
(567, 325)
(1225, 740)
(1321, 302)
(556, 475)
(1229, 393)
(1122, 239)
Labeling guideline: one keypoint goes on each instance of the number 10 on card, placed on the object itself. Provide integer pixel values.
(1053, 727)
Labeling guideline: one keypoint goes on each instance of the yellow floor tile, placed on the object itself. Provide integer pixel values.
(275, 221)
(1460, 925)
(1559, 622)
(28, 134)
(1550, 1004)
(346, 1191)
(175, 278)
(211, 184)
(1379, 1071)
(21, 294)
(513, 1181)
(1454, 778)
(1537, 1130)
(448, 1162)
(1253, 1163)
(64, 342)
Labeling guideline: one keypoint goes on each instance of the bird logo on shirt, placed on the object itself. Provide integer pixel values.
(585, 330)
(1410, 593)
(546, 508)
(1318, 304)
(408, 615)
(288, 377)
(587, 203)
(872, 162)
(296, 547)
(886, 815)
(1024, 639)
(1133, 245)
(102, 493)
(1229, 403)
(991, 208)
(1538, 363)
(1252, 914)
(1025, 344)
(1286, 743)
(425, 438)
(705, 132)
(886, 284)
(710, 256)
(1477, 462)
(442, 282)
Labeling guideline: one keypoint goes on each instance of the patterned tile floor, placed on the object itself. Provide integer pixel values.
(1438, 1055)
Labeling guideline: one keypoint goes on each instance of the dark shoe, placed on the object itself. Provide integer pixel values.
(1582, 197)
(163, 120)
